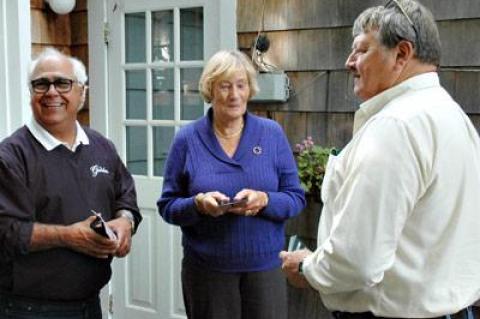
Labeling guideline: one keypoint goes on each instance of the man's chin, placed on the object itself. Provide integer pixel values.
(361, 94)
(53, 120)
(357, 91)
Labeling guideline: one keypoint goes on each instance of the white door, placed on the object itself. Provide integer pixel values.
(156, 52)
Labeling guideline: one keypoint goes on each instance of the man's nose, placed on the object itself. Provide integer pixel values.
(349, 63)
(51, 89)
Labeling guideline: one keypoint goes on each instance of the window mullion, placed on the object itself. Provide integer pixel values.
(176, 36)
(149, 95)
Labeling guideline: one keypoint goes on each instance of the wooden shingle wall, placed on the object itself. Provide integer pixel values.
(311, 39)
(67, 33)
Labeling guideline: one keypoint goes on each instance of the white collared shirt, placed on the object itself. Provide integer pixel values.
(399, 232)
(49, 142)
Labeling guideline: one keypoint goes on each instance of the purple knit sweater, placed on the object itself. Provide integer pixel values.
(264, 162)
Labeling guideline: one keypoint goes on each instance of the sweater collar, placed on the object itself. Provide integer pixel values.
(374, 105)
(249, 141)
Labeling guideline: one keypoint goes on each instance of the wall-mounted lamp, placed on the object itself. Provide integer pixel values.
(61, 6)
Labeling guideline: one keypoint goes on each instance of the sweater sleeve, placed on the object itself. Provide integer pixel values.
(175, 205)
(16, 213)
(289, 199)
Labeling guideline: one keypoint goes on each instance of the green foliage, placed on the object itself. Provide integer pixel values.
(311, 162)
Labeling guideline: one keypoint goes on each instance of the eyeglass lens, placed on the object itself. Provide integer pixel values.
(42, 85)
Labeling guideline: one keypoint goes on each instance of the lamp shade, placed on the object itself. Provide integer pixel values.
(61, 6)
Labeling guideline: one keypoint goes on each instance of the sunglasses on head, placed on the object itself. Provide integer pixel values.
(404, 12)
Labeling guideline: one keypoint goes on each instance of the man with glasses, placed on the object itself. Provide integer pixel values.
(57, 181)
(399, 233)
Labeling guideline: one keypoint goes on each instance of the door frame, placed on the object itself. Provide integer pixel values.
(98, 65)
(15, 56)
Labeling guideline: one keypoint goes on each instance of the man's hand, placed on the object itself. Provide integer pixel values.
(290, 262)
(82, 238)
(79, 237)
(123, 228)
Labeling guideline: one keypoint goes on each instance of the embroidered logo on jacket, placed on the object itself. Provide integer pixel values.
(97, 169)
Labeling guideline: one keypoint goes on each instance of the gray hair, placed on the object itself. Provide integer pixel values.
(393, 25)
(79, 70)
(222, 65)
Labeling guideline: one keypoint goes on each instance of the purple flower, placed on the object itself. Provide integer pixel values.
(299, 148)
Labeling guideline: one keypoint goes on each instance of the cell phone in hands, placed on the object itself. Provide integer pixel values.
(233, 203)
(99, 225)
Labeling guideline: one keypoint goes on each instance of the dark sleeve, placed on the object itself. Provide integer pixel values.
(125, 193)
(289, 199)
(175, 205)
(16, 212)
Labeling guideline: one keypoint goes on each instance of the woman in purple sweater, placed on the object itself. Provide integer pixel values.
(231, 267)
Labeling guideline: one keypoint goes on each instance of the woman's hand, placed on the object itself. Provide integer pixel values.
(256, 201)
(208, 203)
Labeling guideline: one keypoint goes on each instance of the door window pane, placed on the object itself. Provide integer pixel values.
(162, 36)
(163, 97)
(191, 34)
(135, 37)
(162, 137)
(137, 150)
(172, 94)
(190, 99)
(136, 94)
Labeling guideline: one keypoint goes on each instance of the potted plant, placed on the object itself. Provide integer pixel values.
(311, 162)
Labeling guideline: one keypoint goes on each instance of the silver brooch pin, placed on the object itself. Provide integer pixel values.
(257, 150)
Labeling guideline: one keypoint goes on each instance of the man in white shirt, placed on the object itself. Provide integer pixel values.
(399, 233)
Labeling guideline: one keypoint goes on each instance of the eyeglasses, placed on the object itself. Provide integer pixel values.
(402, 10)
(42, 85)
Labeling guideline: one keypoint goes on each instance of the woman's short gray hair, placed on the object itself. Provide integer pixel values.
(393, 25)
(222, 65)
(78, 67)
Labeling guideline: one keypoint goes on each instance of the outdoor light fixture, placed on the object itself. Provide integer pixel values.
(260, 46)
(61, 6)
(273, 82)
(262, 43)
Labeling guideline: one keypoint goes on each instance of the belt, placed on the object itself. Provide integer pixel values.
(8, 301)
(471, 312)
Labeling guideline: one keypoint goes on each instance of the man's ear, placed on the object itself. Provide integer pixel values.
(82, 99)
(405, 52)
